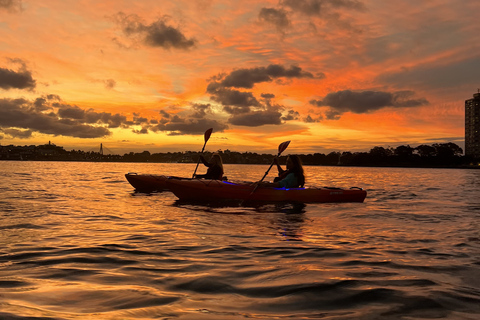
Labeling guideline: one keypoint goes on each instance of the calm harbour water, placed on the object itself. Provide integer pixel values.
(78, 243)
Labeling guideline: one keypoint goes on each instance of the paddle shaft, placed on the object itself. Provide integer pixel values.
(266, 173)
(206, 136)
(281, 148)
(198, 162)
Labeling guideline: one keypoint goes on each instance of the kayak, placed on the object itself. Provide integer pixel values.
(211, 190)
(147, 182)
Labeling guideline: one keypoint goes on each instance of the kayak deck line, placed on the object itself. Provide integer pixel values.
(210, 190)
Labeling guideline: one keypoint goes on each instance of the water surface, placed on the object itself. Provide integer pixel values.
(78, 243)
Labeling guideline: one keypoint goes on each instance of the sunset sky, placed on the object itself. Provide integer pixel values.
(329, 75)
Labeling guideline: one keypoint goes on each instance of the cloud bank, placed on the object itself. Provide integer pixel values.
(246, 109)
(330, 11)
(20, 79)
(40, 116)
(11, 5)
(157, 34)
(20, 118)
(366, 101)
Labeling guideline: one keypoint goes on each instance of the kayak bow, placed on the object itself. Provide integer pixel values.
(147, 182)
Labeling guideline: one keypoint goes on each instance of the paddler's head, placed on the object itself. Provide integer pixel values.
(293, 161)
(216, 159)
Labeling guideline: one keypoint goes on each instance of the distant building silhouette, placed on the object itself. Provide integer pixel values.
(472, 126)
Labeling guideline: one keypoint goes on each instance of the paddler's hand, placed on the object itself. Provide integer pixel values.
(260, 184)
(257, 184)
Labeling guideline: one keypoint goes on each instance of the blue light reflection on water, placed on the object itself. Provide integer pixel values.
(79, 243)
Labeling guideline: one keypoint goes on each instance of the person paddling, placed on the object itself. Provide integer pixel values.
(215, 168)
(293, 177)
(282, 174)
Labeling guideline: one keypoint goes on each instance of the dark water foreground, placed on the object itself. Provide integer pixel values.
(78, 243)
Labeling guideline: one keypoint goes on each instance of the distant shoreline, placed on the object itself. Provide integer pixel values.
(443, 155)
(313, 165)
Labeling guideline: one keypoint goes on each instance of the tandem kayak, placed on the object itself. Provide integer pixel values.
(147, 182)
(211, 190)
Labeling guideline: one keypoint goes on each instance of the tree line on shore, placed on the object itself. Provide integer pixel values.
(435, 155)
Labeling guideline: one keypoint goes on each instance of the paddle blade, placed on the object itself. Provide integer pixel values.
(283, 146)
(207, 134)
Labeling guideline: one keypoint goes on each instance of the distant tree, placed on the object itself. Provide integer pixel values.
(436, 155)
(362, 159)
(403, 151)
(447, 150)
(381, 152)
(347, 158)
(319, 158)
(332, 158)
(426, 150)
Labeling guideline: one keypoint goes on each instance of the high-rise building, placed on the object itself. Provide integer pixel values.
(472, 126)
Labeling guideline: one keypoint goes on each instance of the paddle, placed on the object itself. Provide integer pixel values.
(206, 136)
(281, 148)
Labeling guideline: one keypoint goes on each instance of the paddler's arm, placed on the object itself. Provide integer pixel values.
(279, 168)
(288, 182)
(205, 162)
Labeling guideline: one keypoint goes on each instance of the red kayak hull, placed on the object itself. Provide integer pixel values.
(147, 182)
(208, 190)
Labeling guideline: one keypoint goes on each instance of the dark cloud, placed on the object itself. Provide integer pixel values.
(49, 115)
(245, 109)
(141, 131)
(161, 35)
(156, 34)
(164, 114)
(200, 110)
(291, 115)
(247, 78)
(23, 114)
(435, 75)
(89, 116)
(276, 17)
(267, 96)
(21, 79)
(110, 83)
(72, 112)
(257, 118)
(263, 115)
(237, 110)
(138, 120)
(321, 7)
(310, 119)
(182, 126)
(365, 101)
(11, 5)
(243, 104)
(44, 103)
(229, 97)
(15, 133)
(329, 11)
(193, 123)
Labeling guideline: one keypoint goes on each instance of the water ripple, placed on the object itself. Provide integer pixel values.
(82, 244)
